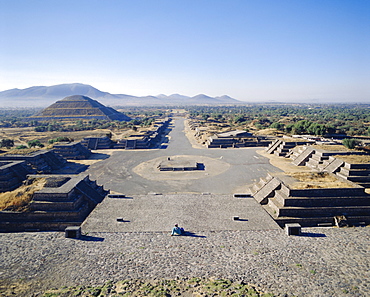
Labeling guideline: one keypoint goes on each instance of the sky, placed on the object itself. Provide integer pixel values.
(278, 50)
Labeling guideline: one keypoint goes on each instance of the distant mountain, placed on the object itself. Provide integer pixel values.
(42, 96)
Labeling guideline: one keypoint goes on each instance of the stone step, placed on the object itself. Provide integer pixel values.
(273, 146)
(279, 154)
(354, 172)
(365, 185)
(266, 191)
(46, 216)
(320, 221)
(355, 179)
(36, 226)
(321, 201)
(357, 166)
(319, 157)
(325, 192)
(304, 156)
(56, 206)
(322, 211)
(334, 165)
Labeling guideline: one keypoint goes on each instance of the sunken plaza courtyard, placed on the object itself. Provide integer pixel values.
(253, 249)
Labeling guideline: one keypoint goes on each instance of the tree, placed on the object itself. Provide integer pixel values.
(350, 143)
(8, 143)
(277, 126)
(34, 143)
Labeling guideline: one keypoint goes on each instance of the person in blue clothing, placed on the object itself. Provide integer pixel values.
(177, 230)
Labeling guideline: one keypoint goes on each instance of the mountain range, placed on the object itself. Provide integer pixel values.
(42, 96)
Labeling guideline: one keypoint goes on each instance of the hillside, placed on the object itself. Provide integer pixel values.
(43, 96)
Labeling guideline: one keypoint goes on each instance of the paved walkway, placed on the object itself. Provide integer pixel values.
(194, 212)
(324, 262)
(226, 171)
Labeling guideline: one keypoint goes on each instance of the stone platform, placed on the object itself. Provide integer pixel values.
(195, 212)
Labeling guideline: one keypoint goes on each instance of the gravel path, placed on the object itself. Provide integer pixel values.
(321, 262)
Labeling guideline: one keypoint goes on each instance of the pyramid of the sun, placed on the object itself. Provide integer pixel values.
(80, 107)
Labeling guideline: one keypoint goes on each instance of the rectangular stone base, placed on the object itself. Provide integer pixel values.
(293, 229)
(73, 232)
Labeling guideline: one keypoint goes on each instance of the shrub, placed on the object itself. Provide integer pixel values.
(350, 143)
(34, 143)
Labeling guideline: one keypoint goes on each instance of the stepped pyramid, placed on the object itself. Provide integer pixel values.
(79, 107)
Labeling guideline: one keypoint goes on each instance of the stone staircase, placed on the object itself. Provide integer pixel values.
(312, 207)
(55, 208)
(273, 146)
(283, 148)
(301, 155)
(130, 144)
(357, 173)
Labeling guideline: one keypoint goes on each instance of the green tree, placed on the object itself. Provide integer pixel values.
(278, 126)
(8, 143)
(34, 143)
(350, 143)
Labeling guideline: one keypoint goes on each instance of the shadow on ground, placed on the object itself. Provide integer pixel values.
(91, 238)
(309, 234)
(192, 234)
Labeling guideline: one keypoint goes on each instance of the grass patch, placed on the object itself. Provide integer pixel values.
(18, 199)
(161, 288)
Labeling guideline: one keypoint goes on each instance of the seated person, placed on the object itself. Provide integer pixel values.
(177, 230)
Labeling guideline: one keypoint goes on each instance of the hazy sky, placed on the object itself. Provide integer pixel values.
(249, 50)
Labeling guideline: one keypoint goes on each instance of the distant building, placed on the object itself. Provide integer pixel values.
(237, 138)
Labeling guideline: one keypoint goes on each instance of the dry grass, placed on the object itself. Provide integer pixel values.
(316, 180)
(268, 131)
(355, 159)
(20, 152)
(18, 199)
(334, 147)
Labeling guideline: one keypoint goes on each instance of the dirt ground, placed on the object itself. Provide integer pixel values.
(316, 180)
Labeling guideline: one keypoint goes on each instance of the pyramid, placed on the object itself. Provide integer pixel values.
(79, 107)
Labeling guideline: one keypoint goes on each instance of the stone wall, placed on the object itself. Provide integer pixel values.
(12, 174)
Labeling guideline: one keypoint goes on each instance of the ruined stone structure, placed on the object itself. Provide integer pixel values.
(64, 201)
(72, 150)
(357, 173)
(42, 161)
(330, 161)
(12, 174)
(178, 165)
(79, 107)
(97, 143)
(283, 148)
(236, 139)
(143, 140)
(312, 206)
